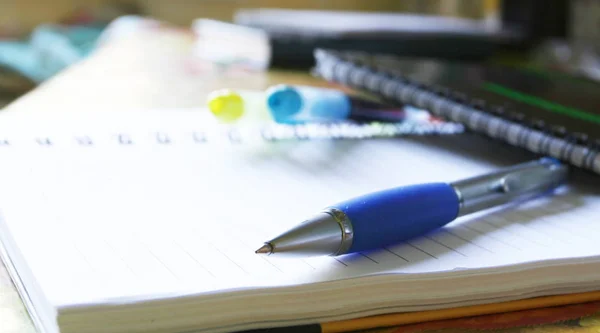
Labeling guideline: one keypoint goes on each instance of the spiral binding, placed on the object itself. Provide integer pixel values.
(240, 135)
(359, 70)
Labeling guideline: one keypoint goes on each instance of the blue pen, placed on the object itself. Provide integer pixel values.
(291, 104)
(398, 214)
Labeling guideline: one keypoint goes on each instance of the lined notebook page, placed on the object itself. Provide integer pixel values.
(112, 220)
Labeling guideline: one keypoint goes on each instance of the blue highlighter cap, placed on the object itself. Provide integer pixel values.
(284, 102)
(331, 105)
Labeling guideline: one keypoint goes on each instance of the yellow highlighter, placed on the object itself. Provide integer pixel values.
(238, 106)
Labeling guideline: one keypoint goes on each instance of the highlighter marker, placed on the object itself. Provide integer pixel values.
(293, 104)
(238, 106)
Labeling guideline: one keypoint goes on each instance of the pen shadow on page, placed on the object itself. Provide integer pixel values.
(474, 231)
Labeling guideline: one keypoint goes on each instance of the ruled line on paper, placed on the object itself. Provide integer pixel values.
(231, 260)
(140, 265)
(513, 234)
(549, 221)
(118, 255)
(512, 218)
(444, 245)
(289, 267)
(309, 264)
(385, 258)
(521, 231)
(272, 264)
(488, 233)
(354, 260)
(184, 250)
(71, 259)
(84, 257)
(214, 260)
(179, 262)
(164, 265)
(491, 242)
(153, 262)
(468, 241)
(366, 256)
(244, 247)
(396, 254)
(420, 249)
(341, 262)
(282, 267)
(436, 248)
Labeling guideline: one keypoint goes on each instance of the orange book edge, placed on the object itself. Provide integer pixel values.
(405, 318)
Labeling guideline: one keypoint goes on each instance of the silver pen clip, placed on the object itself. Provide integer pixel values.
(515, 183)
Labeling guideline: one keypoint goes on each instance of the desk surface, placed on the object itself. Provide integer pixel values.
(157, 70)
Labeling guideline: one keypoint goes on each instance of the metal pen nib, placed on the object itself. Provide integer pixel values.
(327, 232)
(265, 249)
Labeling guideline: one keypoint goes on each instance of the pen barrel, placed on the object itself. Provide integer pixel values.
(394, 215)
(513, 184)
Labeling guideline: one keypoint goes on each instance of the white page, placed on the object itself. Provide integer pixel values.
(110, 221)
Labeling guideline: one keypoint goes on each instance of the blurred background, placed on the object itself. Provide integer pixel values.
(40, 39)
(72, 56)
(27, 14)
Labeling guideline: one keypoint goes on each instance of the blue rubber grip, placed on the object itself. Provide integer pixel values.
(398, 214)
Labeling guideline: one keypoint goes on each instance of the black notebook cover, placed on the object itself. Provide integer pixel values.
(551, 114)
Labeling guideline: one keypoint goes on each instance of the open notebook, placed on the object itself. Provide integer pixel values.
(133, 223)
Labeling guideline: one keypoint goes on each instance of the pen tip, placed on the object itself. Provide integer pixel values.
(265, 249)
